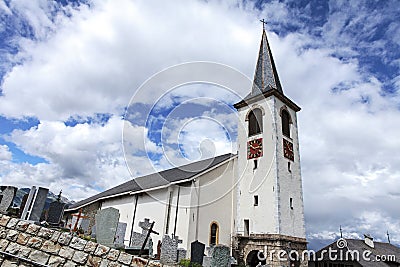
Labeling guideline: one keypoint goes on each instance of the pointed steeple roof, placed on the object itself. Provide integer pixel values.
(266, 76)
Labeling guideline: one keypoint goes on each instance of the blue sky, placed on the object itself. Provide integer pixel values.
(69, 69)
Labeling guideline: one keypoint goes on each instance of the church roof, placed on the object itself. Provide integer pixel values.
(380, 249)
(266, 80)
(266, 76)
(157, 180)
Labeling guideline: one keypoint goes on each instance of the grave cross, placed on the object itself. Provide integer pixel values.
(149, 231)
(79, 216)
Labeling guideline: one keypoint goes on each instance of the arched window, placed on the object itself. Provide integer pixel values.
(255, 122)
(285, 122)
(214, 231)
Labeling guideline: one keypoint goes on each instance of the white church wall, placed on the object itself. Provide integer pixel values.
(259, 182)
(290, 182)
(216, 199)
(152, 206)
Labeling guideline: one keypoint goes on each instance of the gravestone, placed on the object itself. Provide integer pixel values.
(220, 256)
(23, 203)
(85, 226)
(7, 196)
(55, 213)
(38, 204)
(169, 250)
(93, 233)
(197, 252)
(106, 226)
(181, 254)
(34, 204)
(120, 235)
(137, 239)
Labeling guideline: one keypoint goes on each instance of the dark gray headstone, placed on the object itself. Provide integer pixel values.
(120, 235)
(55, 213)
(23, 203)
(197, 252)
(38, 204)
(7, 195)
(106, 226)
(221, 256)
(34, 204)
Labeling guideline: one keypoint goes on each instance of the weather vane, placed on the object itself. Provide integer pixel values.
(388, 236)
(263, 23)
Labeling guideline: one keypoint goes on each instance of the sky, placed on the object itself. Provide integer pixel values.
(85, 106)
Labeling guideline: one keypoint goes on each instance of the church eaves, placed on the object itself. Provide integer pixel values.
(266, 76)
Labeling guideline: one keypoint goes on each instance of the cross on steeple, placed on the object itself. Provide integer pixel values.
(263, 23)
(341, 233)
(388, 235)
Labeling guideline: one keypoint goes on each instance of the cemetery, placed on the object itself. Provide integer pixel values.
(27, 240)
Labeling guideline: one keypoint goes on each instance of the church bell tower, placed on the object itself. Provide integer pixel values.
(270, 213)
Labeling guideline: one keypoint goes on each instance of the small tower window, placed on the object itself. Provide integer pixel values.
(255, 122)
(289, 167)
(291, 203)
(246, 227)
(255, 200)
(285, 122)
(255, 164)
(214, 231)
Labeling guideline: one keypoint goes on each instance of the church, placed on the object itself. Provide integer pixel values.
(250, 201)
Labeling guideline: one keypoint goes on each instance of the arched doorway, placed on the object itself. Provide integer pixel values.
(255, 258)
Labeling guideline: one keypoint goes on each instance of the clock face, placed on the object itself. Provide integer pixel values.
(288, 150)
(254, 148)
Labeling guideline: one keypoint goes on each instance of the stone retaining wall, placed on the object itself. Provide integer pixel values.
(54, 248)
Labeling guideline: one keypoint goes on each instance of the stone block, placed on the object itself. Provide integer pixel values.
(4, 220)
(51, 247)
(22, 238)
(22, 226)
(33, 229)
(3, 233)
(45, 233)
(12, 223)
(114, 264)
(39, 256)
(70, 264)
(13, 248)
(94, 261)
(24, 251)
(35, 242)
(77, 243)
(101, 250)
(65, 238)
(66, 252)
(55, 261)
(104, 263)
(113, 254)
(3, 244)
(55, 236)
(12, 235)
(125, 258)
(90, 247)
(80, 257)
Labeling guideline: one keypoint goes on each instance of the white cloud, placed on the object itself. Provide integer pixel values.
(5, 154)
(93, 61)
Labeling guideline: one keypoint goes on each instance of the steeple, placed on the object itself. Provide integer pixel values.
(266, 77)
